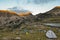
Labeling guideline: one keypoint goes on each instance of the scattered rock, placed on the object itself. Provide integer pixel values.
(17, 38)
(25, 30)
(51, 34)
(7, 38)
(31, 31)
(59, 30)
(44, 30)
(41, 30)
(4, 38)
(35, 25)
(17, 33)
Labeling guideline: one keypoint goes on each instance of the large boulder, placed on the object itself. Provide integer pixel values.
(51, 34)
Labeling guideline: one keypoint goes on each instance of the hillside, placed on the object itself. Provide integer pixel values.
(12, 20)
(55, 10)
(9, 20)
(52, 15)
(25, 26)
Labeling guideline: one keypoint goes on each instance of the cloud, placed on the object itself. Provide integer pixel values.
(35, 1)
(37, 6)
(42, 1)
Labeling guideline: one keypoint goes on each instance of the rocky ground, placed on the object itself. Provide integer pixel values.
(29, 32)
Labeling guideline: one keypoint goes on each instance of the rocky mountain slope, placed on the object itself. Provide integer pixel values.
(53, 14)
(26, 26)
(11, 20)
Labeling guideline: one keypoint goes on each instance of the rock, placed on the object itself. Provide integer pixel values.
(59, 30)
(40, 29)
(17, 38)
(4, 38)
(51, 34)
(25, 30)
(44, 30)
(17, 33)
(31, 31)
(35, 25)
(7, 38)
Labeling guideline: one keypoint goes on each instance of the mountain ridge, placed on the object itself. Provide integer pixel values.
(18, 10)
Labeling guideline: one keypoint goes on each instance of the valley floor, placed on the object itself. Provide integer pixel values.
(29, 32)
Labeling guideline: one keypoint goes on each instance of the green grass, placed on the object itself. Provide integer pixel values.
(35, 35)
(37, 32)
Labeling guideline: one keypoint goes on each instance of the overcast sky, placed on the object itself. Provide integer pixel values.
(35, 6)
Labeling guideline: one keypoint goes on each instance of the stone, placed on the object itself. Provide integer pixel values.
(51, 34)
(35, 25)
(5, 38)
(31, 31)
(17, 38)
(25, 30)
(40, 30)
(17, 33)
(44, 30)
(59, 30)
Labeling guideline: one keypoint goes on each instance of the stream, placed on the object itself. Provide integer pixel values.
(52, 24)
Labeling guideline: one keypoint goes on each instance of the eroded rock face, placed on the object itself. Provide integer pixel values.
(9, 20)
(51, 34)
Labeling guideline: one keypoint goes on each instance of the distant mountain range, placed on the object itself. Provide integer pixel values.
(17, 10)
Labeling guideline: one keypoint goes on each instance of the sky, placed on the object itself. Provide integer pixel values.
(35, 6)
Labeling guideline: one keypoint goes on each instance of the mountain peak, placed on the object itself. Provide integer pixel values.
(18, 9)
